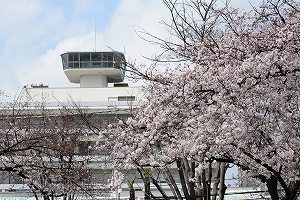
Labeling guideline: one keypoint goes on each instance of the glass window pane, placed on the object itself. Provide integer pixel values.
(118, 57)
(71, 56)
(110, 64)
(76, 65)
(105, 56)
(84, 56)
(76, 57)
(126, 98)
(110, 57)
(64, 59)
(96, 56)
(96, 64)
(85, 64)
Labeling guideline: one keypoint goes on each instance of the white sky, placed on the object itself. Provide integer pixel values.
(34, 33)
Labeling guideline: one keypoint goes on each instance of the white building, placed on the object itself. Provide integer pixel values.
(100, 75)
(101, 90)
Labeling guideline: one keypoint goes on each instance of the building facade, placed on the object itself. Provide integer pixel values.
(101, 92)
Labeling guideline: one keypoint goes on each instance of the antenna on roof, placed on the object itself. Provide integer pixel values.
(95, 33)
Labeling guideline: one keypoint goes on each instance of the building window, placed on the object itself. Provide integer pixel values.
(126, 98)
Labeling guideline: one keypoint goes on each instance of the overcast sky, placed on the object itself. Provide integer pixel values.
(34, 33)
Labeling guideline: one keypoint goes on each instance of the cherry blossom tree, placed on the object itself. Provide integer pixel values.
(234, 97)
(40, 147)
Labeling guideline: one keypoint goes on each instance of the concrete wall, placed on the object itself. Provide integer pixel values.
(64, 94)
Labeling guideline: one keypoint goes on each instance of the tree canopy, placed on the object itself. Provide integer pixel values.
(233, 98)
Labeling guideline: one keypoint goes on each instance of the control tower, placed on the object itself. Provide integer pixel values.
(94, 69)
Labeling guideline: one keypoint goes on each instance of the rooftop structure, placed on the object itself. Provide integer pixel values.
(94, 69)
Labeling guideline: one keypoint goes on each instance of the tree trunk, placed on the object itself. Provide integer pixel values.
(162, 192)
(33, 191)
(189, 173)
(208, 182)
(199, 192)
(192, 184)
(173, 185)
(46, 197)
(216, 182)
(223, 187)
(145, 175)
(131, 194)
(272, 187)
(182, 180)
(204, 185)
(147, 187)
